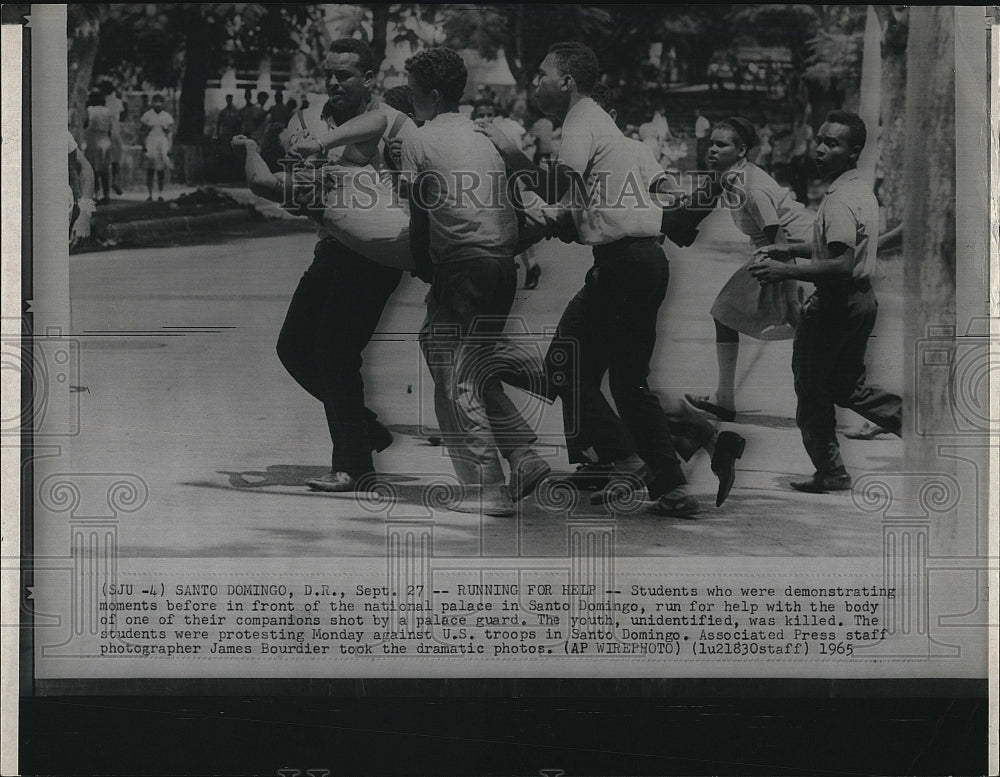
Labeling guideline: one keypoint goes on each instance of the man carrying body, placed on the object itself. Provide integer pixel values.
(340, 299)
(828, 355)
(610, 325)
(461, 218)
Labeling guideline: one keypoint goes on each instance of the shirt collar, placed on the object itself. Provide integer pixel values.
(448, 118)
(583, 104)
(845, 177)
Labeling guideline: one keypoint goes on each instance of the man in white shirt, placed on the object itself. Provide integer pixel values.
(609, 327)
(461, 217)
(828, 356)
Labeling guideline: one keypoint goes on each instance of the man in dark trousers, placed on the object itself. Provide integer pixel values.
(340, 299)
(828, 355)
(609, 327)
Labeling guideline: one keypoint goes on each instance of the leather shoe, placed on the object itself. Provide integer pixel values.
(728, 448)
(587, 477)
(622, 486)
(379, 437)
(526, 472)
(339, 482)
(675, 504)
(489, 500)
(823, 484)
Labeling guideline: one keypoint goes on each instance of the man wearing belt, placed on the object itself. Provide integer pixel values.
(610, 325)
(828, 355)
(339, 300)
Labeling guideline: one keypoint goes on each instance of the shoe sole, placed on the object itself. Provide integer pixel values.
(688, 512)
(722, 413)
(725, 487)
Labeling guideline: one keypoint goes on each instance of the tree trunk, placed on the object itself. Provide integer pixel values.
(929, 231)
(83, 33)
(380, 31)
(191, 123)
(893, 109)
(513, 50)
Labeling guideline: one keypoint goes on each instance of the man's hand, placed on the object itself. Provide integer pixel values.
(244, 144)
(769, 271)
(780, 253)
(396, 151)
(307, 147)
(497, 136)
(81, 229)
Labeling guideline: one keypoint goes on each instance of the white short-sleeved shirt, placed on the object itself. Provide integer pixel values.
(617, 202)
(398, 125)
(158, 123)
(474, 217)
(849, 215)
(765, 203)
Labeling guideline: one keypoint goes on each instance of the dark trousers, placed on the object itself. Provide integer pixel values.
(462, 341)
(332, 316)
(609, 327)
(828, 364)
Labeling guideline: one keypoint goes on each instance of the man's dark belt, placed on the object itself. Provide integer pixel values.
(840, 288)
(609, 250)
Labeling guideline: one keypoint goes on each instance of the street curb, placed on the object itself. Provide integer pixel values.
(136, 231)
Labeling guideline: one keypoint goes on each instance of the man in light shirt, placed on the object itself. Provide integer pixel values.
(828, 355)
(609, 327)
(461, 217)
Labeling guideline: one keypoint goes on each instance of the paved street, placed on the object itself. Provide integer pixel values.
(184, 389)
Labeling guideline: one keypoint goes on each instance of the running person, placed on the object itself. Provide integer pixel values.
(765, 212)
(828, 356)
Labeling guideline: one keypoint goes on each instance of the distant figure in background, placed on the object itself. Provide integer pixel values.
(229, 122)
(97, 139)
(764, 148)
(543, 129)
(227, 126)
(261, 131)
(702, 129)
(483, 109)
(158, 126)
(81, 190)
(277, 119)
(117, 110)
(252, 115)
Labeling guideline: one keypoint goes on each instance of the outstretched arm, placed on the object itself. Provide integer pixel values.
(370, 125)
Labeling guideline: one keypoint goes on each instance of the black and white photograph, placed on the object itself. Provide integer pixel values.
(433, 343)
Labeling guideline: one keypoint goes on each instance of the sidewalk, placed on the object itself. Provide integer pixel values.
(190, 397)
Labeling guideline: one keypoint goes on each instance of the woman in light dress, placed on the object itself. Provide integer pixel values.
(767, 213)
(97, 125)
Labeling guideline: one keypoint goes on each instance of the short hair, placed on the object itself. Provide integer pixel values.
(265, 95)
(858, 134)
(95, 98)
(743, 129)
(159, 97)
(366, 57)
(439, 68)
(601, 94)
(577, 60)
(107, 87)
(400, 98)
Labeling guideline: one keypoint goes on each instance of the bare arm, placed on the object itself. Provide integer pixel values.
(369, 126)
(840, 265)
